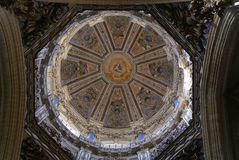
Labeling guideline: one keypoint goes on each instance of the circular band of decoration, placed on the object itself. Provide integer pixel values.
(115, 81)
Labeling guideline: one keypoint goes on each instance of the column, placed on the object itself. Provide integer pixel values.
(12, 87)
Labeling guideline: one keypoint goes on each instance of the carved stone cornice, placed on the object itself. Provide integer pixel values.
(114, 2)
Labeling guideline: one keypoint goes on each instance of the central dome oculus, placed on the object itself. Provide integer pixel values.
(117, 68)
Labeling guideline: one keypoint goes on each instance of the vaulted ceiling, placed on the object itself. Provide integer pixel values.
(114, 75)
(117, 72)
(115, 83)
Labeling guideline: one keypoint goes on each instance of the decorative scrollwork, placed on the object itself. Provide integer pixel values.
(36, 18)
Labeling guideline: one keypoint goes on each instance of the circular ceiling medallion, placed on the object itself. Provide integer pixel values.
(117, 68)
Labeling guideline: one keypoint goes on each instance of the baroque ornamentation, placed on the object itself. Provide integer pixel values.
(109, 83)
(31, 150)
(36, 18)
(194, 19)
